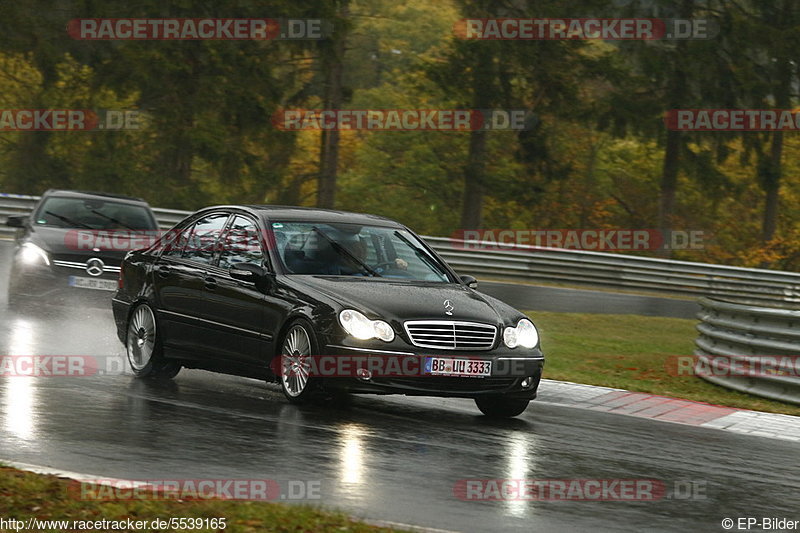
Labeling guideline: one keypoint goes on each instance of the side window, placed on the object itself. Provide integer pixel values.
(175, 242)
(202, 242)
(242, 244)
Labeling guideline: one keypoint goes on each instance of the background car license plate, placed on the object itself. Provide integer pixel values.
(445, 366)
(93, 283)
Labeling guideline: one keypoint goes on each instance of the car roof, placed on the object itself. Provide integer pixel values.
(69, 193)
(287, 213)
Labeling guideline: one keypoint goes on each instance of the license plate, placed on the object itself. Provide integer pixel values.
(446, 366)
(93, 283)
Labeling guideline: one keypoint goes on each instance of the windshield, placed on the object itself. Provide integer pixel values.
(354, 250)
(91, 213)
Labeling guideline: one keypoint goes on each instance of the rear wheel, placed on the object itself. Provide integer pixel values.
(298, 346)
(499, 407)
(143, 347)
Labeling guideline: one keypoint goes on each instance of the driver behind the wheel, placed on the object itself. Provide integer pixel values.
(358, 248)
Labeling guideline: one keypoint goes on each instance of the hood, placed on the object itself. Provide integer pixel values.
(76, 244)
(407, 300)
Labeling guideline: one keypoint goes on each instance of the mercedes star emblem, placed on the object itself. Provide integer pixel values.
(94, 267)
(448, 307)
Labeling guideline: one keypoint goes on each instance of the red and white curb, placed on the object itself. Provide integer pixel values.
(667, 409)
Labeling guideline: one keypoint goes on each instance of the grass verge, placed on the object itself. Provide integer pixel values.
(632, 352)
(24, 495)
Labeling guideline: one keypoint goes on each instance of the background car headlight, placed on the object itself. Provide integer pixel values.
(30, 254)
(361, 327)
(524, 334)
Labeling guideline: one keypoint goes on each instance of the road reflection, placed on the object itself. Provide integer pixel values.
(521, 462)
(19, 393)
(351, 456)
(19, 399)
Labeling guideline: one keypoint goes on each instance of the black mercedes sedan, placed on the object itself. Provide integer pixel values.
(321, 302)
(71, 245)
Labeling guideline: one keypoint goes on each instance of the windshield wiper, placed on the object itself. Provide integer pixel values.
(68, 220)
(342, 250)
(112, 219)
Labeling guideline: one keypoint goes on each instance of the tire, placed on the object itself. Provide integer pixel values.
(298, 343)
(143, 346)
(500, 407)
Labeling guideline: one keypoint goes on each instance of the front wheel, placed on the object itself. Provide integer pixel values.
(499, 407)
(143, 347)
(299, 345)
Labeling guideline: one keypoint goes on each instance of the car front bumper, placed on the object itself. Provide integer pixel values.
(407, 373)
(51, 284)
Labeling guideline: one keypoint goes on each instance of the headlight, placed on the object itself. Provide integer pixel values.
(524, 334)
(361, 327)
(30, 254)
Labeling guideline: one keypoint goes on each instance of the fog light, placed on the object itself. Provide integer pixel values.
(527, 383)
(364, 374)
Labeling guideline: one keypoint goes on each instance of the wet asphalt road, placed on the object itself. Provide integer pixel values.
(390, 458)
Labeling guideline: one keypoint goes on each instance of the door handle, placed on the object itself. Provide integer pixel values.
(211, 283)
(163, 271)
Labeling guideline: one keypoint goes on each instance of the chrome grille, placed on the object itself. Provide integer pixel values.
(451, 335)
(82, 266)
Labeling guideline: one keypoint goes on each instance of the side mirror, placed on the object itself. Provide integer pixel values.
(16, 221)
(469, 281)
(252, 273)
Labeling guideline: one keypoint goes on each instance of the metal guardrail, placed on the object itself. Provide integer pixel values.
(596, 269)
(761, 343)
(599, 269)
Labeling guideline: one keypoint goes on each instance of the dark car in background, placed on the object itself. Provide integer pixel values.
(71, 245)
(269, 292)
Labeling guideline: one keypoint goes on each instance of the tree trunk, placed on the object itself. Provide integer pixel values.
(332, 57)
(669, 182)
(771, 182)
(179, 165)
(677, 98)
(475, 168)
(472, 204)
(772, 172)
